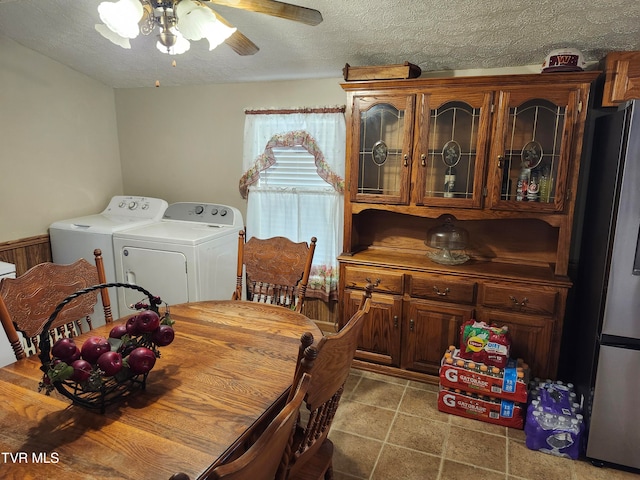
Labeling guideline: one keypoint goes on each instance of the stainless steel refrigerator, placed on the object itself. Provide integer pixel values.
(605, 333)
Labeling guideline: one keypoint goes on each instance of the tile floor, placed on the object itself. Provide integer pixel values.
(388, 428)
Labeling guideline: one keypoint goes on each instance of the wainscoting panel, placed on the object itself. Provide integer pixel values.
(26, 252)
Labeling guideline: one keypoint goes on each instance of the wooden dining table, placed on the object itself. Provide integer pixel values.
(225, 374)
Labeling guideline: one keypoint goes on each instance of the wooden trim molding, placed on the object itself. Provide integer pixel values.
(622, 81)
(24, 253)
(289, 111)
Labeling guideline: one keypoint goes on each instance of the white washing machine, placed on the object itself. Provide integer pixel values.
(190, 255)
(7, 270)
(78, 237)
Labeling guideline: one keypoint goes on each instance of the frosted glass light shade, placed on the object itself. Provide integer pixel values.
(218, 33)
(112, 36)
(122, 17)
(197, 22)
(184, 7)
(192, 21)
(178, 48)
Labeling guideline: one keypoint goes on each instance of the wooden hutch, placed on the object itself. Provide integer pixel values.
(465, 148)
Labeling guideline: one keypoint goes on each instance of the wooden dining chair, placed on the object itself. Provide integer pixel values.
(328, 363)
(276, 269)
(262, 460)
(27, 302)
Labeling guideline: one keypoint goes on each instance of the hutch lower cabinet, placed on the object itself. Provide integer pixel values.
(494, 157)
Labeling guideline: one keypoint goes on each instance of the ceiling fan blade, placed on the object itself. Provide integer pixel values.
(241, 44)
(274, 8)
(237, 41)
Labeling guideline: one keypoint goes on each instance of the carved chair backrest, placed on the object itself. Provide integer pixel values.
(27, 302)
(262, 460)
(277, 270)
(329, 364)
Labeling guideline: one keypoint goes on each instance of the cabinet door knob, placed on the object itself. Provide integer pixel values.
(443, 293)
(423, 160)
(411, 324)
(395, 321)
(406, 160)
(500, 160)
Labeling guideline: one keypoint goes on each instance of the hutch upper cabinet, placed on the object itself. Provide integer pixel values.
(498, 156)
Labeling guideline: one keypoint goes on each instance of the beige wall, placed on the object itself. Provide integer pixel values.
(69, 143)
(185, 143)
(61, 156)
(58, 143)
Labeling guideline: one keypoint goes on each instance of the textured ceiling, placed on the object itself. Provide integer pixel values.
(442, 35)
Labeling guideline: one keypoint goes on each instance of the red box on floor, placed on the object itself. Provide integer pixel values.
(487, 409)
(508, 383)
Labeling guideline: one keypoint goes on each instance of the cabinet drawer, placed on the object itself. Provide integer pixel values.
(519, 298)
(356, 277)
(436, 287)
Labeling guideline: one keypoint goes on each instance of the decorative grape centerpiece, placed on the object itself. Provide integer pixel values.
(104, 370)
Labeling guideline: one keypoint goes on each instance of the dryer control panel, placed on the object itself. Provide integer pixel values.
(135, 207)
(209, 213)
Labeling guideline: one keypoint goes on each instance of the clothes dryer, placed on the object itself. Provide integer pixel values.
(78, 237)
(190, 255)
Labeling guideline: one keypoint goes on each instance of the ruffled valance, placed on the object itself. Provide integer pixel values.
(291, 139)
(321, 131)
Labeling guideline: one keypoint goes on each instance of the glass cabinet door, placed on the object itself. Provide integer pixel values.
(452, 149)
(382, 156)
(532, 149)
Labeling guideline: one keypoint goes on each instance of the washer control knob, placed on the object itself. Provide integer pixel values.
(122, 204)
(214, 211)
(145, 206)
(199, 209)
(132, 205)
(223, 212)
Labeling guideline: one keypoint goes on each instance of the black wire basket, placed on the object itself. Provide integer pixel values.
(100, 390)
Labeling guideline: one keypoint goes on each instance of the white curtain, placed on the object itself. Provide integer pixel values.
(293, 212)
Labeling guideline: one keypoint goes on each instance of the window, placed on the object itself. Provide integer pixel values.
(294, 170)
(295, 167)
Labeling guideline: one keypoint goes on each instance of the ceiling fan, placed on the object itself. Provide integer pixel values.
(241, 44)
(182, 20)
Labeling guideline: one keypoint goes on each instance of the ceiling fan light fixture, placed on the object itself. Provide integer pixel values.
(179, 46)
(122, 17)
(194, 19)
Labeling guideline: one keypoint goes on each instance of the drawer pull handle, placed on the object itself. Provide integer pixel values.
(395, 321)
(411, 324)
(423, 160)
(442, 294)
(406, 160)
(523, 303)
(374, 284)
